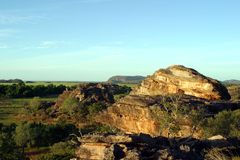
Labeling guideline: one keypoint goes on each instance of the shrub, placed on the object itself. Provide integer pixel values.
(225, 123)
(106, 128)
(94, 109)
(8, 149)
(73, 108)
(59, 151)
(172, 114)
(36, 104)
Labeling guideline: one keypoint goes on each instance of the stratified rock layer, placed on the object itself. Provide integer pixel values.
(179, 79)
(133, 113)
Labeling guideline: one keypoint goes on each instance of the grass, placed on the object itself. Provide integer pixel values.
(132, 85)
(33, 153)
(9, 108)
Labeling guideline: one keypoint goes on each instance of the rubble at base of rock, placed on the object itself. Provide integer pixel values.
(106, 146)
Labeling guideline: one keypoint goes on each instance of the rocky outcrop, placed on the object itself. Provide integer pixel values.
(89, 93)
(142, 146)
(134, 113)
(179, 79)
(124, 147)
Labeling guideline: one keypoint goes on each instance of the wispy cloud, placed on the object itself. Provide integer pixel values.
(118, 42)
(7, 32)
(3, 46)
(49, 42)
(11, 19)
(100, 47)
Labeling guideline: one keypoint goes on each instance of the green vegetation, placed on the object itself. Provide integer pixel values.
(68, 84)
(59, 151)
(122, 91)
(171, 115)
(74, 109)
(22, 90)
(225, 123)
(131, 85)
(237, 93)
(28, 135)
(8, 148)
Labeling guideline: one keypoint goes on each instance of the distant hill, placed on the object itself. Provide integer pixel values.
(126, 79)
(11, 81)
(232, 81)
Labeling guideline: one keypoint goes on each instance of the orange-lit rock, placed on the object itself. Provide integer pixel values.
(179, 79)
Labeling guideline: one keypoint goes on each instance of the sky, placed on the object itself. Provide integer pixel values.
(92, 40)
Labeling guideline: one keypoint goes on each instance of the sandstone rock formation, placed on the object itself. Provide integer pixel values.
(89, 93)
(125, 147)
(179, 79)
(133, 113)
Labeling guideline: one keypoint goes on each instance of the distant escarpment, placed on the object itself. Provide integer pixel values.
(126, 79)
(181, 80)
(232, 81)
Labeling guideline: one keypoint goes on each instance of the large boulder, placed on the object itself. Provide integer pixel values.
(179, 79)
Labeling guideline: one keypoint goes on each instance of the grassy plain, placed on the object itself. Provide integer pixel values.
(9, 108)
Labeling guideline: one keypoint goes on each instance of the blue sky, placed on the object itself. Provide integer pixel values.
(92, 40)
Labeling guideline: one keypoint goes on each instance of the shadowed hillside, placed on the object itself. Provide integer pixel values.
(126, 79)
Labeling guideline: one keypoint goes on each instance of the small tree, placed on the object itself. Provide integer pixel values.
(36, 104)
(94, 109)
(75, 110)
(25, 135)
(172, 114)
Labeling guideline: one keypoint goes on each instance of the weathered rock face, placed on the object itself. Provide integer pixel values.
(143, 146)
(133, 113)
(179, 79)
(89, 93)
(124, 147)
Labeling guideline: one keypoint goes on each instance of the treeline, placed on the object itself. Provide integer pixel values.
(15, 138)
(20, 90)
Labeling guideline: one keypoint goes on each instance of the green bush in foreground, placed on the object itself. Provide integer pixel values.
(59, 151)
(225, 123)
